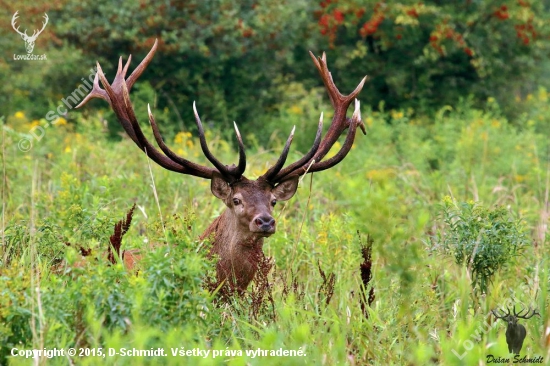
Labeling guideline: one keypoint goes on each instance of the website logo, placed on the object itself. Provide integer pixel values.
(29, 40)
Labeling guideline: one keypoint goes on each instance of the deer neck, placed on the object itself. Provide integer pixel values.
(239, 250)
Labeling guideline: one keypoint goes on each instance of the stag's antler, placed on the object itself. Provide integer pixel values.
(117, 95)
(526, 315)
(516, 315)
(312, 160)
(498, 316)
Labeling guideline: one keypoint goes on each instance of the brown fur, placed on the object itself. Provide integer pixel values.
(234, 237)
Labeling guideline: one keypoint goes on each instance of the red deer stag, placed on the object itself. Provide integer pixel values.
(239, 232)
(515, 332)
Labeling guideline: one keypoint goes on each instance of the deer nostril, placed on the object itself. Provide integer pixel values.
(265, 222)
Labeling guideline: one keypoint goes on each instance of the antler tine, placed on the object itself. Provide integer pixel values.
(141, 67)
(126, 66)
(526, 316)
(127, 117)
(322, 67)
(229, 174)
(195, 169)
(96, 92)
(338, 125)
(272, 172)
(242, 154)
(346, 147)
(118, 96)
(110, 96)
(306, 158)
(494, 311)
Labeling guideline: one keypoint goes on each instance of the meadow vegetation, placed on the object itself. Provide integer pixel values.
(397, 188)
(394, 257)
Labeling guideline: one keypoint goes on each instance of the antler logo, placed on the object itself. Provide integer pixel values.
(515, 332)
(29, 40)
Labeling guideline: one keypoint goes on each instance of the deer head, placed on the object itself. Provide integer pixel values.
(29, 40)
(515, 332)
(237, 235)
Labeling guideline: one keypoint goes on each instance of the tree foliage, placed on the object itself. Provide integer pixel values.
(426, 54)
(242, 60)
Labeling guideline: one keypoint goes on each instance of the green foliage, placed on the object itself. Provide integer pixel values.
(247, 61)
(429, 54)
(15, 307)
(484, 240)
(75, 184)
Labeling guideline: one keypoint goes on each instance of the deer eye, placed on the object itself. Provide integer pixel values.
(273, 203)
(236, 201)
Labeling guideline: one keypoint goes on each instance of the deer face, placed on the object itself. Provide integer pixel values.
(511, 320)
(251, 202)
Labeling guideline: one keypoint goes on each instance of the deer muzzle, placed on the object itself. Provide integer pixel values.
(263, 224)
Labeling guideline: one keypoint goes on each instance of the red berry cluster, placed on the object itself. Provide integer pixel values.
(524, 30)
(412, 12)
(502, 13)
(371, 26)
(246, 32)
(330, 20)
(444, 32)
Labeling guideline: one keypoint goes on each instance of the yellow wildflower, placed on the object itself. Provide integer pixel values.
(61, 121)
(380, 175)
(543, 95)
(19, 114)
(396, 114)
(179, 138)
(519, 178)
(296, 109)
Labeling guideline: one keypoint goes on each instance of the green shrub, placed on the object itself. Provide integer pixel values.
(484, 240)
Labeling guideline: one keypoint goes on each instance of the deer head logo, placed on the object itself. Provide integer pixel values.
(515, 332)
(29, 40)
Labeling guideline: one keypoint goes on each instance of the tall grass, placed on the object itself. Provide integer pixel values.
(65, 196)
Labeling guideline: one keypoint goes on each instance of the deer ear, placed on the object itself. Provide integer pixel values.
(219, 187)
(286, 189)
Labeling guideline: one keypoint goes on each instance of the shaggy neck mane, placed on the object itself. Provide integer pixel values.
(239, 254)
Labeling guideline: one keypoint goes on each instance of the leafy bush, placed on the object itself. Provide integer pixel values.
(429, 54)
(483, 240)
(244, 61)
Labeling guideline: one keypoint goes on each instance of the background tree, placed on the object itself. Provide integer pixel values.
(247, 60)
